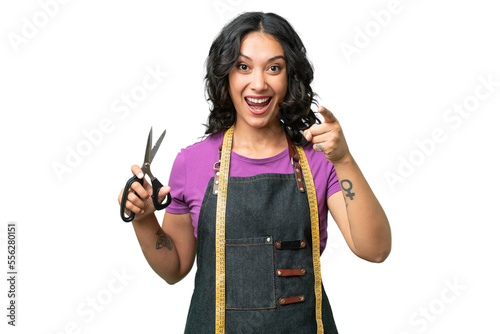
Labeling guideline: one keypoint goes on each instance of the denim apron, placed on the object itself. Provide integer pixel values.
(269, 266)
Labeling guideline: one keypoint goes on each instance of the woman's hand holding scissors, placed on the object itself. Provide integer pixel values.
(139, 198)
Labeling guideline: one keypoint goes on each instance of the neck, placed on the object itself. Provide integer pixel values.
(259, 143)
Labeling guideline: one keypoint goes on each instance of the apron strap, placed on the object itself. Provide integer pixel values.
(295, 159)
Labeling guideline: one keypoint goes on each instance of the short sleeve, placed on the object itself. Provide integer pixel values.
(177, 184)
(333, 184)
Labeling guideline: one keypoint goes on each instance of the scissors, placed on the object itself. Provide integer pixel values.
(148, 158)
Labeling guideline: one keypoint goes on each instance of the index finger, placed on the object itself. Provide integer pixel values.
(137, 171)
(327, 115)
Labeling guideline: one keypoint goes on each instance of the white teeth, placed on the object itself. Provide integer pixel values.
(251, 99)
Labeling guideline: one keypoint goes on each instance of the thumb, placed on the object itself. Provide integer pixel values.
(307, 133)
(163, 193)
(327, 115)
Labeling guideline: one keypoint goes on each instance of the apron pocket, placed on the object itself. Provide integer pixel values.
(250, 273)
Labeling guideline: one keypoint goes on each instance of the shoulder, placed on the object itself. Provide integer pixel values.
(198, 159)
(193, 167)
(210, 142)
(205, 149)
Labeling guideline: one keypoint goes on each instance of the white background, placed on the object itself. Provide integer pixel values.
(66, 77)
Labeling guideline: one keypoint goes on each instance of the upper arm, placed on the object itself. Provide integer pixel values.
(180, 229)
(337, 207)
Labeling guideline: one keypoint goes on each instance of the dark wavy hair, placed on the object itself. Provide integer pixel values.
(295, 110)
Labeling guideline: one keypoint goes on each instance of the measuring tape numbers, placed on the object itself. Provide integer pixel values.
(220, 234)
(313, 208)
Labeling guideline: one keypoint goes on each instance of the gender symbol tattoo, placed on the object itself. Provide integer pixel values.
(348, 188)
(163, 240)
(319, 148)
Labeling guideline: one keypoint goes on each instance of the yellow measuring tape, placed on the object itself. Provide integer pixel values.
(313, 208)
(220, 234)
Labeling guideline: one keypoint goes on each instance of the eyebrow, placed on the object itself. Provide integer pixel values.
(269, 60)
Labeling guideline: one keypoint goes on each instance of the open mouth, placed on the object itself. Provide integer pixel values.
(258, 105)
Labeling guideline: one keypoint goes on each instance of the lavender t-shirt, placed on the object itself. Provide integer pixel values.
(193, 168)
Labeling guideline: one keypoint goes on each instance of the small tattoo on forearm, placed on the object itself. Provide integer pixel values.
(319, 148)
(163, 240)
(348, 188)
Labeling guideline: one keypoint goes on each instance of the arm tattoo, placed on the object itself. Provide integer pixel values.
(163, 240)
(347, 189)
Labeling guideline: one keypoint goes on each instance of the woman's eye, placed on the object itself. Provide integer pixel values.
(275, 68)
(243, 67)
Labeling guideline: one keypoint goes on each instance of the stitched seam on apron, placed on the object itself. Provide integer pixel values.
(274, 278)
(248, 244)
(199, 227)
(244, 309)
(262, 178)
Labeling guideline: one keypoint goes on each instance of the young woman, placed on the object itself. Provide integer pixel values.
(261, 130)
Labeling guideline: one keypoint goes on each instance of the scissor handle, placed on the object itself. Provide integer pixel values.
(156, 189)
(124, 199)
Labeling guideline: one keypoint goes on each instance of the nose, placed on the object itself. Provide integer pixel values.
(258, 81)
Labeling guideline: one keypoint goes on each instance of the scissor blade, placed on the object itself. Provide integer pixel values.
(157, 145)
(147, 156)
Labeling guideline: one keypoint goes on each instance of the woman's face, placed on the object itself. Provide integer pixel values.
(258, 83)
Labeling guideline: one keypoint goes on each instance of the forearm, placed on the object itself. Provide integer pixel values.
(368, 224)
(158, 248)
